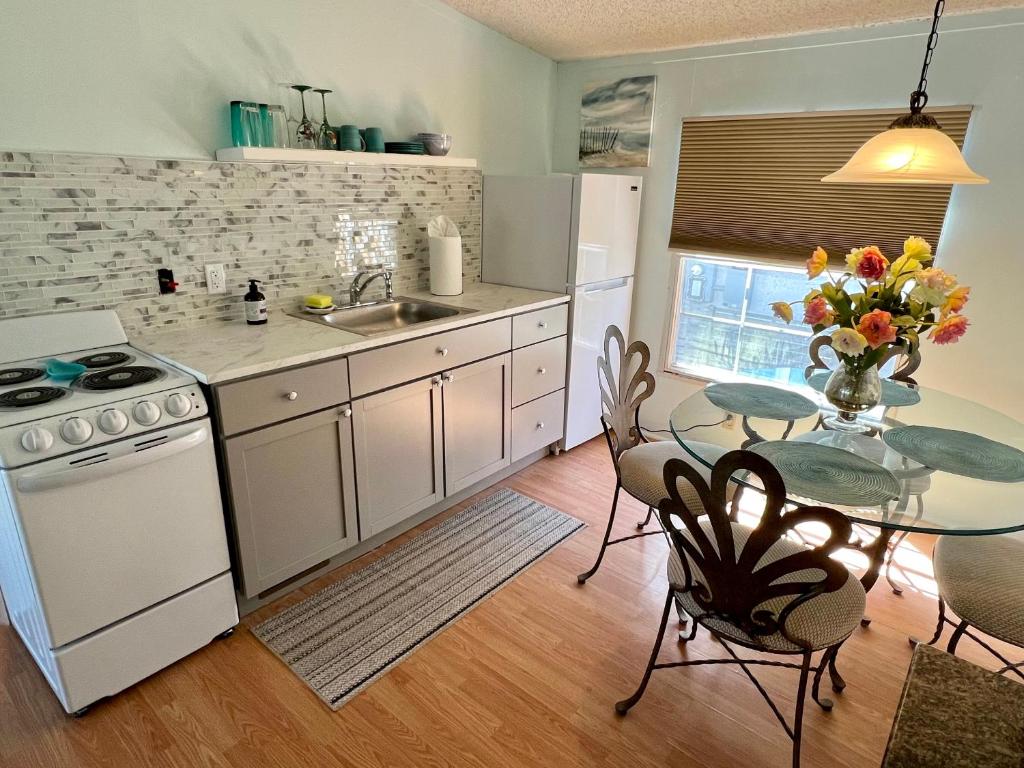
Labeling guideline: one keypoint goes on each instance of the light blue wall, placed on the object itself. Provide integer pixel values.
(979, 61)
(153, 77)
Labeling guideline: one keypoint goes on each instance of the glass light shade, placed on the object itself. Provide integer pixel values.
(907, 156)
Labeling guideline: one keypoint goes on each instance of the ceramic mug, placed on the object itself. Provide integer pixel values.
(373, 139)
(349, 139)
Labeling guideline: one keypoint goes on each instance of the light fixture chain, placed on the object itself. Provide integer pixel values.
(919, 98)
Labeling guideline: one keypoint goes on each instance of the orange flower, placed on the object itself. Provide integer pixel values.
(877, 329)
(817, 311)
(956, 300)
(817, 263)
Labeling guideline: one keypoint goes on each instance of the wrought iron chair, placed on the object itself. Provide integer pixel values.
(905, 367)
(981, 580)
(754, 587)
(625, 383)
(906, 364)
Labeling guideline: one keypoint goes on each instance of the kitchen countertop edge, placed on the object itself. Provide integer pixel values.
(225, 352)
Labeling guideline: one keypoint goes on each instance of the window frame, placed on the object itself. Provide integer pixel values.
(679, 256)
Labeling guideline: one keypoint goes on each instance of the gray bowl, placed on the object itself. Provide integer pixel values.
(438, 144)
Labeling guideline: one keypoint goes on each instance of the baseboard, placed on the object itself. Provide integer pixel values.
(247, 605)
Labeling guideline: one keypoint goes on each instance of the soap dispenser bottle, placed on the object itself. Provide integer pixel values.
(255, 304)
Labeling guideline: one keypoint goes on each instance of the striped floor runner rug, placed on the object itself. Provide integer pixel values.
(350, 633)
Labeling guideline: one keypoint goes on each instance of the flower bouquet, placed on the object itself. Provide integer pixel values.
(875, 305)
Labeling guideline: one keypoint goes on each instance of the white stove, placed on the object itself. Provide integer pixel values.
(113, 554)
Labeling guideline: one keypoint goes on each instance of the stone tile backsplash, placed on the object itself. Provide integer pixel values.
(89, 232)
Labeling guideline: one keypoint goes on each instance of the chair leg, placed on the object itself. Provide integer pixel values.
(825, 704)
(622, 707)
(957, 634)
(582, 578)
(940, 624)
(646, 520)
(896, 588)
(798, 719)
(838, 684)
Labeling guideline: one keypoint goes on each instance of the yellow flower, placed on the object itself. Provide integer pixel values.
(956, 300)
(917, 248)
(817, 263)
(783, 311)
(849, 342)
(905, 265)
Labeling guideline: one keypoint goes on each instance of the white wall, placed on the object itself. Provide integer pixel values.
(979, 61)
(153, 77)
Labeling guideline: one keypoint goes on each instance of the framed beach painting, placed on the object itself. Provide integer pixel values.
(616, 117)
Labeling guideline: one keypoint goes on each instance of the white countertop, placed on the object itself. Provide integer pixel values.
(223, 352)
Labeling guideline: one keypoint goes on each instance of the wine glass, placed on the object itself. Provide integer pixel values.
(325, 137)
(305, 134)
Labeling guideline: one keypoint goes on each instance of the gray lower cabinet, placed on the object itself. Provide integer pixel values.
(292, 489)
(398, 453)
(477, 421)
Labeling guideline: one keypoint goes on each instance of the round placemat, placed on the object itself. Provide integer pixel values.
(893, 393)
(760, 401)
(959, 453)
(829, 475)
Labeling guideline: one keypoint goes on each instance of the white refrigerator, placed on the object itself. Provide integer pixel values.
(572, 234)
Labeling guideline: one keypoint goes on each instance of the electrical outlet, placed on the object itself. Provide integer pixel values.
(216, 279)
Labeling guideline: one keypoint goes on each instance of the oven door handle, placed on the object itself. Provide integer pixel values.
(46, 481)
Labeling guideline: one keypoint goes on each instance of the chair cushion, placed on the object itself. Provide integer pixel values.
(821, 622)
(642, 468)
(982, 581)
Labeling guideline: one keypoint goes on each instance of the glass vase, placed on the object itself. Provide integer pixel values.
(852, 391)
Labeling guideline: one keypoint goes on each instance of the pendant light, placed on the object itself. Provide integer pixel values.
(914, 150)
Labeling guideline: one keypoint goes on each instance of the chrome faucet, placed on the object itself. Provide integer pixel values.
(372, 272)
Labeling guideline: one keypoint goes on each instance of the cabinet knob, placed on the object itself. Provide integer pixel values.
(449, 377)
(542, 324)
(542, 371)
(442, 351)
(291, 396)
(436, 380)
(540, 425)
(346, 413)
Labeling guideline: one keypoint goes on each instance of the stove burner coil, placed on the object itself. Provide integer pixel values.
(104, 359)
(118, 378)
(29, 396)
(11, 376)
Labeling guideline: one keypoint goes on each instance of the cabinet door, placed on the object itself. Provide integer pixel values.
(398, 454)
(293, 496)
(477, 421)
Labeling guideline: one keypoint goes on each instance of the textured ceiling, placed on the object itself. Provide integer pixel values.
(582, 29)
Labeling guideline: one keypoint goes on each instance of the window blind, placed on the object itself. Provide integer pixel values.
(753, 185)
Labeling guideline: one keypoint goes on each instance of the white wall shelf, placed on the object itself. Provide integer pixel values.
(278, 155)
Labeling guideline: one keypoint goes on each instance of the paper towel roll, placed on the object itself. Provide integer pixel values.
(446, 266)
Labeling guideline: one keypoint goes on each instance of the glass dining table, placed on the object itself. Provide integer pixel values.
(929, 462)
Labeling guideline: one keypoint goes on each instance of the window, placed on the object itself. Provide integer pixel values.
(723, 326)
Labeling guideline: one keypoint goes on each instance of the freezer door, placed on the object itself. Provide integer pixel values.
(595, 307)
(609, 215)
(527, 225)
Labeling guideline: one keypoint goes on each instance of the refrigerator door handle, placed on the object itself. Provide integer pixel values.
(604, 285)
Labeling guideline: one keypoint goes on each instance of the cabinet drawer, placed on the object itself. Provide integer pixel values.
(537, 424)
(540, 325)
(409, 360)
(538, 370)
(279, 396)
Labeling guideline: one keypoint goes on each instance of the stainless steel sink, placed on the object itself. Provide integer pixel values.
(384, 316)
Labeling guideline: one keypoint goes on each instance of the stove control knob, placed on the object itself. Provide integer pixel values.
(178, 405)
(112, 421)
(75, 430)
(36, 440)
(146, 413)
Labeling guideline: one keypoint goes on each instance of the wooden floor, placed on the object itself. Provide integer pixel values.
(528, 678)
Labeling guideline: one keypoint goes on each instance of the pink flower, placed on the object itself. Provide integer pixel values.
(868, 263)
(816, 311)
(877, 329)
(936, 278)
(949, 330)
